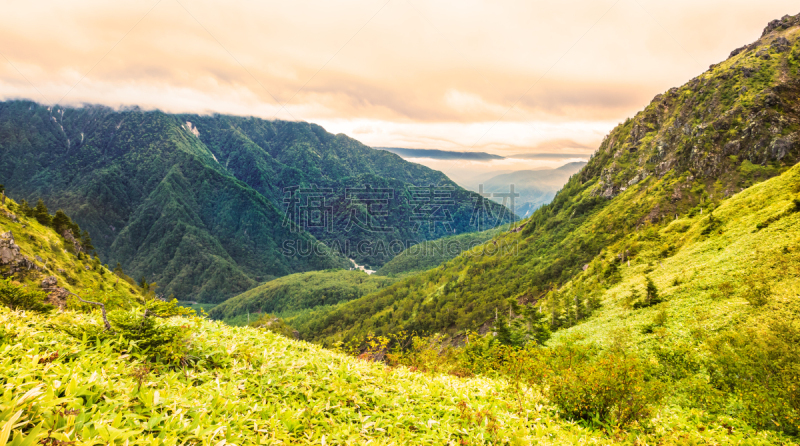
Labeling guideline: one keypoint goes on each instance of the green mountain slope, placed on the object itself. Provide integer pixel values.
(298, 292)
(42, 260)
(197, 203)
(689, 150)
(430, 254)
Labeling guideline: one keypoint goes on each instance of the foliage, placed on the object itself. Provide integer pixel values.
(137, 327)
(298, 292)
(759, 366)
(18, 297)
(429, 254)
(199, 208)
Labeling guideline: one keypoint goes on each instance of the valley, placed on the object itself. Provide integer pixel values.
(213, 279)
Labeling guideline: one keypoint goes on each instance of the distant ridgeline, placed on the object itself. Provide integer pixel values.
(210, 206)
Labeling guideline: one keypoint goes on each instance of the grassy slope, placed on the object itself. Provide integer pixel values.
(72, 273)
(298, 292)
(430, 254)
(688, 150)
(694, 279)
(267, 389)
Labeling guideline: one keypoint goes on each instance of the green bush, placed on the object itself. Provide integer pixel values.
(17, 297)
(612, 389)
(760, 367)
(141, 328)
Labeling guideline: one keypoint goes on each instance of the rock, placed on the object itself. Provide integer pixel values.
(781, 44)
(58, 297)
(49, 282)
(779, 25)
(10, 255)
(586, 267)
(748, 72)
(9, 216)
(763, 54)
(739, 50)
(39, 259)
(67, 234)
(780, 147)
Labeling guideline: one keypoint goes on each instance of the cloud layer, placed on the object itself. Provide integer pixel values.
(504, 76)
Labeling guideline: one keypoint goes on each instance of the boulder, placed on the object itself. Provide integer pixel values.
(11, 256)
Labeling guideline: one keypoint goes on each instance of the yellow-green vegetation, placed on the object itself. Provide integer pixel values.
(296, 294)
(51, 254)
(247, 386)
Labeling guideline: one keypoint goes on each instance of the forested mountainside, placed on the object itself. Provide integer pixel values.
(299, 292)
(198, 203)
(689, 150)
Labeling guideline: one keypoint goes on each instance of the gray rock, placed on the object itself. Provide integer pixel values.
(10, 255)
(781, 44)
(780, 147)
(49, 282)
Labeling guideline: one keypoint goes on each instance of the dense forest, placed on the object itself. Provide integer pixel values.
(210, 206)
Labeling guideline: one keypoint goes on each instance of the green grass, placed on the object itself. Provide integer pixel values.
(266, 389)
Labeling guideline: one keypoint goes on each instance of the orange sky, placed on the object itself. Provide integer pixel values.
(503, 76)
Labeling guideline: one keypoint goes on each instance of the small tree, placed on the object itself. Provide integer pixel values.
(41, 213)
(61, 222)
(86, 241)
(18, 298)
(25, 208)
(652, 297)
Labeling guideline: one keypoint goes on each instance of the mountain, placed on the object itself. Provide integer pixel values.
(535, 187)
(299, 292)
(45, 261)
(441, 154)
(688, 152)
(210, 206)
(430, 254)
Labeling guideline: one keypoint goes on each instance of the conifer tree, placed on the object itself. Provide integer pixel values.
(61, 222)
(86, 241)
(41, 213)
(652, 297)
(25, 208)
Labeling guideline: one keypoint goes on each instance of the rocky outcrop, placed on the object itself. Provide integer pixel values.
(57, 296)
(11, 259)
(742, 109)
(67, 234)
(9, 215)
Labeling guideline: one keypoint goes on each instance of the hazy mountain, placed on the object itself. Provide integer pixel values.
(535, 187)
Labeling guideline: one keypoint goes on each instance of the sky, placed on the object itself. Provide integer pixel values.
(505, 77)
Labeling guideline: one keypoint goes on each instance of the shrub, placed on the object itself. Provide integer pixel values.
(760, 366)
(610, 390)
(140, 328)
(17, 297)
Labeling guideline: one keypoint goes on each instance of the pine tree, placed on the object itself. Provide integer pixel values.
(25, 208)
(61, 222)
(41, 213)
(652, 297)
(86, 241)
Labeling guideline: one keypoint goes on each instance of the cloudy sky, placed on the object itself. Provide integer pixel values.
(500, 76)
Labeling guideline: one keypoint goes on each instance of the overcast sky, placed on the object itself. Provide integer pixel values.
(499, 76)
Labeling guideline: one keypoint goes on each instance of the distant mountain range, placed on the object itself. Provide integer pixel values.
(475, 156)
(209, 206)
(441, 154)
(535, 187)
